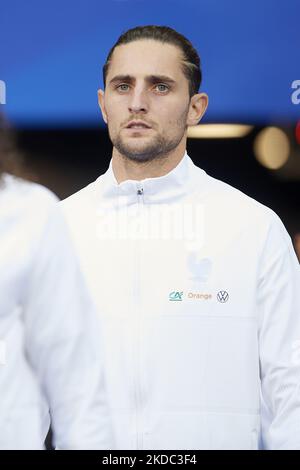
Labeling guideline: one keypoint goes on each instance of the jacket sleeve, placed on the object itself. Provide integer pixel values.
(63, 342)
(279, 340)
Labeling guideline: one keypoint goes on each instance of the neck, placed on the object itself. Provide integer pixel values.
(126, 169)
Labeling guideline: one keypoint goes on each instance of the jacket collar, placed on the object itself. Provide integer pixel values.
(163, 189)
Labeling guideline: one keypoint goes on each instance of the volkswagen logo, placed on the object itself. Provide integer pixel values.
(222, 296)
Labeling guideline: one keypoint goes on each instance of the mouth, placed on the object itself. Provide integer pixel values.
(137, 130)
(140, 125)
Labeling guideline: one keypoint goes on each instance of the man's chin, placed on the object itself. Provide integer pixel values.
(138, 153)
(140, 156)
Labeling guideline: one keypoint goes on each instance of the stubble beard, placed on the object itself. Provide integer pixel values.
(156, 148)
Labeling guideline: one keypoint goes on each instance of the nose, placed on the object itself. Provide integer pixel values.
(138, 101)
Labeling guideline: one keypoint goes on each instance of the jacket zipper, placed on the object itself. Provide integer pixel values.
(138, 392)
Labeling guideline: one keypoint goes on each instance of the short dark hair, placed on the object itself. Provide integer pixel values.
(191, 66)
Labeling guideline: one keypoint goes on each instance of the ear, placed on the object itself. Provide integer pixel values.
(102, 104)
(198, 106)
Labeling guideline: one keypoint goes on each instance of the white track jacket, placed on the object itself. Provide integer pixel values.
(48, 356)
(198, 288)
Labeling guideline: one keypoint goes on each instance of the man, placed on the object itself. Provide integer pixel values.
(49, 356)
(198, 283)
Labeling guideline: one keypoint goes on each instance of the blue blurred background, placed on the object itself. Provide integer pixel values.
(52, 55)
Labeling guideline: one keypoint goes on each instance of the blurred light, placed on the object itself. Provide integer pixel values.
(297, 132)
(218, 131)
(272, 148)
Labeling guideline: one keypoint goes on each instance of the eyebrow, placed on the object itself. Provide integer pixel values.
(149, 79)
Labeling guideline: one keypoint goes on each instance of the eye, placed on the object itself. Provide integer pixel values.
(162, 87)
(121, 87)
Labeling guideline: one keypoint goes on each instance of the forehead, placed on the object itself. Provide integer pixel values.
(146, 57)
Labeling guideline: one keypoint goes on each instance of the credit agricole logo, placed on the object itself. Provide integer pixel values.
(175, 296)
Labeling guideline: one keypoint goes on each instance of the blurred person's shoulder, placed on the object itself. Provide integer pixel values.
(25, 192)
(25, 202)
